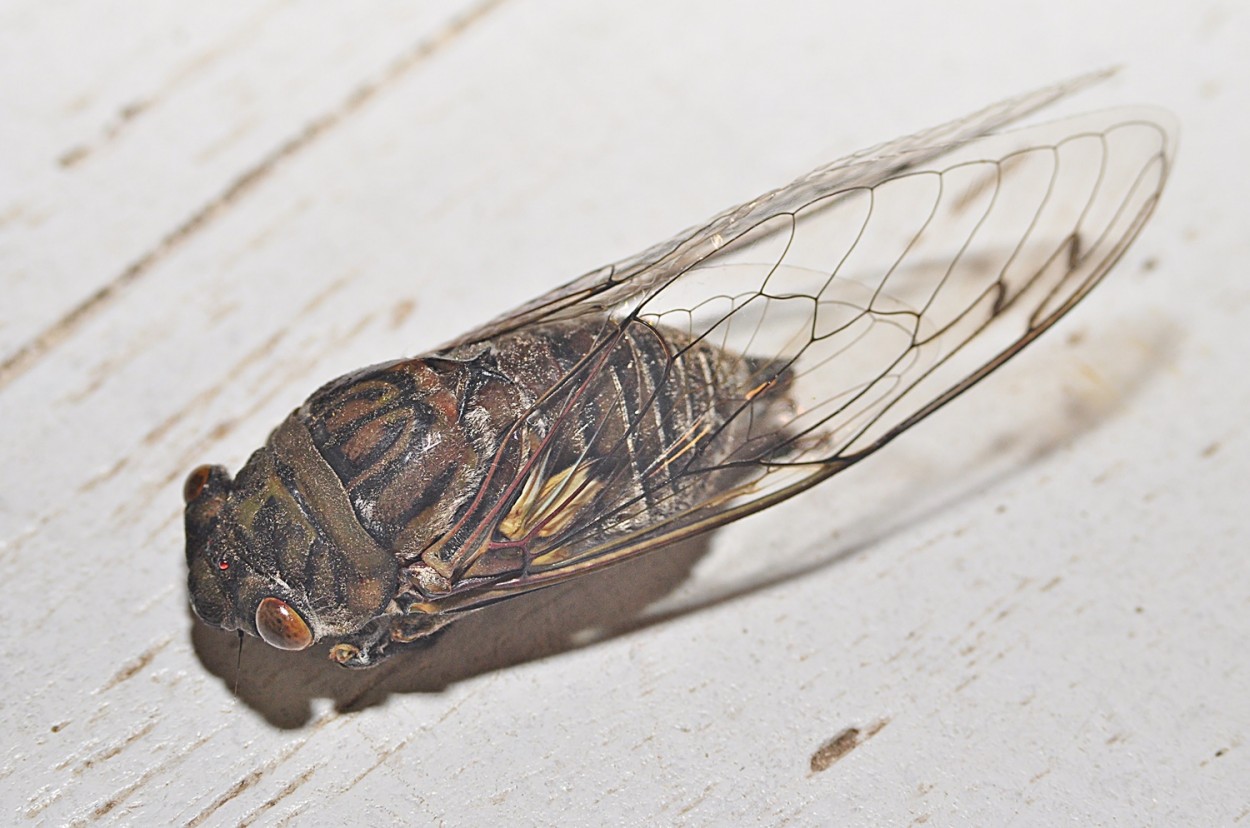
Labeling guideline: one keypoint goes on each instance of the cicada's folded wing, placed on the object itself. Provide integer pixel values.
(860, 308)
(612, 284)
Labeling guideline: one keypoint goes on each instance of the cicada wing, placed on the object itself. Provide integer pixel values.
(640, 274)
(863, 309)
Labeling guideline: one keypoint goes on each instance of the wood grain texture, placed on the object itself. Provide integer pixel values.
(1037, 605)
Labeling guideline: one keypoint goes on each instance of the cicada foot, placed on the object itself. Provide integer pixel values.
(387, 636)
(364, 649)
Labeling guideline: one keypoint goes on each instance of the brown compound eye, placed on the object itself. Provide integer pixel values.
(196, 481)
(281, 627)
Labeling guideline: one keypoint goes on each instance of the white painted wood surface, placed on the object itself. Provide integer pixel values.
(1038, 604)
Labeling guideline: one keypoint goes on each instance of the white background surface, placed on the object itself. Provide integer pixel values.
(1042, 596)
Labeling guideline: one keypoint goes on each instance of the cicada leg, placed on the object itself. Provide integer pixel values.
(366, 648)
(418, 627)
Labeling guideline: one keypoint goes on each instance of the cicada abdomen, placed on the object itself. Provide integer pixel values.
(707, 378)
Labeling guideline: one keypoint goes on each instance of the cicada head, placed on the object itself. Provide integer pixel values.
(275, 554)
(231, 586)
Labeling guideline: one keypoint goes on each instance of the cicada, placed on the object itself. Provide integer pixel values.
(709, 377)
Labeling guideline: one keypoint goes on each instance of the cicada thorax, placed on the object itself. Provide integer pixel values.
(479, 464)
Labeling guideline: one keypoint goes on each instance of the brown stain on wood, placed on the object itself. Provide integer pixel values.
(400, 312)
(840, 745)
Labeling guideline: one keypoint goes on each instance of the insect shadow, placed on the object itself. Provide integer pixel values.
(876, 501)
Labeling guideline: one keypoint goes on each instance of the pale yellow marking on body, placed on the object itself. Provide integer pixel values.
(546, 508)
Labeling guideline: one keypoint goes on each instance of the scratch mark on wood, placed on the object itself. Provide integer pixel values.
(113, 801)
(164, 765)
(290, 788)
(1218, 755)
(231, 374)
(697, 801)
(157, 432)
(963, 685)
(161, 596)
(167, 525)
(32, 531)
(246, 782)
(237, 131)
(117, 747)
(29, 354)
(100, 713)
(104, 476)
(188, 70)
(106, 367)
(295, 812)
(10, 214)
(842, 744)
(73, 156)
(132, 667)
(383, 755)
(178, 468)
(41, 805)
(275, 222)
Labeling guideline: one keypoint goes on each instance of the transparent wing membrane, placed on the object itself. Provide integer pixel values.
(853, 303)
(880, 300)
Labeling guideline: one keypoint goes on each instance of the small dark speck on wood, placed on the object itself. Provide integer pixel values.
(842, 744)
(834, 749)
